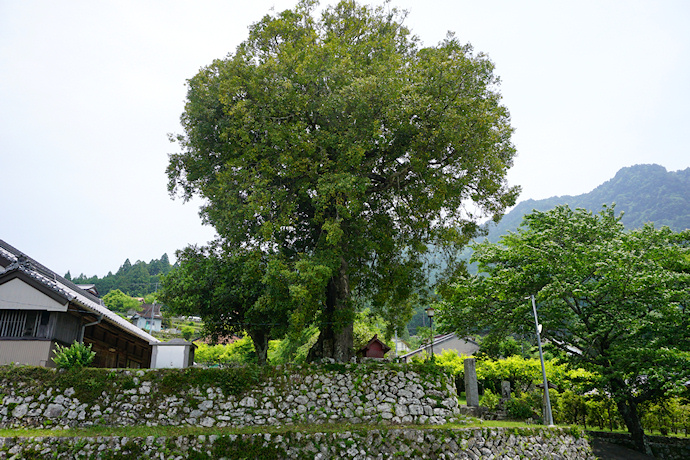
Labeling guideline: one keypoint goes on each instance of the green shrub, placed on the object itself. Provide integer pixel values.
(238, 352)
(75, 356)
(490, 400)
(187, 332)
(520, 409)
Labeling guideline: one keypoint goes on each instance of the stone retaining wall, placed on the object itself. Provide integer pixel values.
(312, 395)
(663, 447)
(498, 443)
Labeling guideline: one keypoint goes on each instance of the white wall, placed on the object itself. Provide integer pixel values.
(167, 355)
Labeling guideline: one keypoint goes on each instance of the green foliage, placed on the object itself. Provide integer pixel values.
(138, 280)
(293, 348)
(235, 380)
(425, 336)
(612, 301)
(348, 148)
(76, 356)
(452, 362)
(187, 332)
(671, 415)
(524, 373)
(496, 347)
(87, 382)
(366, 325)
(571, 408)
(233, 291)
(238, 352)
(525, 406)
(120, 302)
(490, 400)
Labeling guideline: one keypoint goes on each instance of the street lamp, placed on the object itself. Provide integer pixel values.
(430, 313)
(548, 416)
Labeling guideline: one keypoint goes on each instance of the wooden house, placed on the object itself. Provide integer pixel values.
(40, 309)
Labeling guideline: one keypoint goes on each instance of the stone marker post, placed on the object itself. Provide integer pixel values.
(505, 389)
(505, 395)
(471, 390)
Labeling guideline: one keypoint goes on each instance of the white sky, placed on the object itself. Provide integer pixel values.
(89, 91)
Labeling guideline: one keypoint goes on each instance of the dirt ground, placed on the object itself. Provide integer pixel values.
(609, 451)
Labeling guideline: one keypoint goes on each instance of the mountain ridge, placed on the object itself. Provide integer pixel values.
(643, 192)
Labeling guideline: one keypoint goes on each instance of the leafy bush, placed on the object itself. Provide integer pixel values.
(293, 349)
(527, 405)
(455, 365)
(75, 356)
(523, 373)
(187, 332)
(490, 400)
(520, 409)
(571, 408)
(238, 352)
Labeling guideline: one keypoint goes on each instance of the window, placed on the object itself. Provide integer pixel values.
(17, 323)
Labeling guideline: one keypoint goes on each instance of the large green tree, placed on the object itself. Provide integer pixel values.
(231, 290)
(614, 302)
(343, 144)
(120, 302)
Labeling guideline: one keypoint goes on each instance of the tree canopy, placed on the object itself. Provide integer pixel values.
(615, 302)
(119, 302)
(231, 291)
(349, 149)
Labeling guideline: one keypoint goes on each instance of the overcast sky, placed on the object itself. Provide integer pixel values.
(89, 91)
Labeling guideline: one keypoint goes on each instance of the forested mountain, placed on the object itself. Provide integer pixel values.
(644, 193)
(136, 280)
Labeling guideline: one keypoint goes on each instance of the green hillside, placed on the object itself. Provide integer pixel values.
(136, 280)
(644, 193)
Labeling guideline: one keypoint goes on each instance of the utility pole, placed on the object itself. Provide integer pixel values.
(548, 419)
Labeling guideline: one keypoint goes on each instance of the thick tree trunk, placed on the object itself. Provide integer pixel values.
(628, 410)
(335, 337)
(260, 341)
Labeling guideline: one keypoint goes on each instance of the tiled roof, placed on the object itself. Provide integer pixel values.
(146, 311)
(64, 287)
(438, 340)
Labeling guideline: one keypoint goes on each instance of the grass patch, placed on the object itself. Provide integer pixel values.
(173, 431)
(462, 399)
(507, 424)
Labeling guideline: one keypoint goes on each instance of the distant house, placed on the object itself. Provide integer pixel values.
(90, 288)
(400, 347)
(40, 309)
(441, 343)
(149, 318)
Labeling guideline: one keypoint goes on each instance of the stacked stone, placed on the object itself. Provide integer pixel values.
(379, 395)
(496, 443)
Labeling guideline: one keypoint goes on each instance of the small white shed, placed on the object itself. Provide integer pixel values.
(175, 353)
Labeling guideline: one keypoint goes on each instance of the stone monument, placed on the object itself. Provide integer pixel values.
(471, 389)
